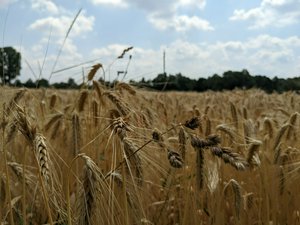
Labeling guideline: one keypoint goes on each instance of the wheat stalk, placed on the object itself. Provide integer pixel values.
(76, 134)
(182, 142)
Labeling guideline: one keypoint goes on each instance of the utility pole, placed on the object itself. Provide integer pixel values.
(164, 69)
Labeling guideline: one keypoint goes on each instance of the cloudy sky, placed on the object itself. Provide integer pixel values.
(200, 37)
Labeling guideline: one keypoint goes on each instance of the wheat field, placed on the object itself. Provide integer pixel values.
(124, 155)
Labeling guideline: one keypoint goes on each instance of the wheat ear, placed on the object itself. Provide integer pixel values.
(15, 99)
(267, 125)
(90, 193)
(53, 100)
(209, 141)
(123, 86)
(175, 159)
(292, 122)
(228, 156)
(93, 71)
(124, 110)
(252, 151)
(236, 188)
(83, 96)
(280, 134)
(234, 115)
(40, 151)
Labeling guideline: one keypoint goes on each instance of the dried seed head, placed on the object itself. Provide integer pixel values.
(211, 140)
(157, 136)
(192, 123)
(175, 159)
(234, 159)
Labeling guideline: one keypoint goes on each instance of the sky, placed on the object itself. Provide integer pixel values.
(199, 37)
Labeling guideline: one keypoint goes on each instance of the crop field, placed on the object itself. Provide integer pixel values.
(125, 155)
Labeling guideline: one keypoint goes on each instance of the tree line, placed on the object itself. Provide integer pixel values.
(10, 66)
(229, 80)
(162, 82)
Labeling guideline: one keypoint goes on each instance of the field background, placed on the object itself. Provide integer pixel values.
(123, 155)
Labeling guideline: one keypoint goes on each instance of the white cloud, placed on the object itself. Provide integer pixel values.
(180, 23)
(117, 3)
(61, 24)
(271, 13)
(264, 55)
(45, 6)
(192, 3)
(57, 20)
(165, 14)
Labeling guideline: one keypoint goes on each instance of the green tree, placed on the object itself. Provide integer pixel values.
(10, 64)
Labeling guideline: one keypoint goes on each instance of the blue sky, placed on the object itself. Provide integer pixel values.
(200, 37)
